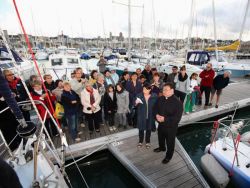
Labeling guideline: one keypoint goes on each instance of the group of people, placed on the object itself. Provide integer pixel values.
(190, 91)
(138, 99)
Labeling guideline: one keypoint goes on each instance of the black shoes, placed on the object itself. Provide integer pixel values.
(216, 106)
(157, 150)
(165, 160)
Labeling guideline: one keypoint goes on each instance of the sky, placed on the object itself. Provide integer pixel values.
(159, 18)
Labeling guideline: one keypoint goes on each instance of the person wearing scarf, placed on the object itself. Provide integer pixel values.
(39, 95)
(18, 91)
(182, 85)
(91, 99)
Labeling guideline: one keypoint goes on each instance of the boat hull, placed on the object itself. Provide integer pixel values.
(240, 174)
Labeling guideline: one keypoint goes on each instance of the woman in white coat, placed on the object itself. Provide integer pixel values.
(91, 99)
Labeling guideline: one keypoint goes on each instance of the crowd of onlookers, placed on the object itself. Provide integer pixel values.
(108, 98)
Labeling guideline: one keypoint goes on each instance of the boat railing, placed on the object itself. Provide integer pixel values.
(59, 158)
(224, 131)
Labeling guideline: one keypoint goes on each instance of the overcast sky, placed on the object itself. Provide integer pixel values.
(91, 18)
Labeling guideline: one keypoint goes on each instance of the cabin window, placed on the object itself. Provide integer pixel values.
(6, 65)
(72, 61)
(4, 56)
(192, 57)
(204, 58)
(58, 61)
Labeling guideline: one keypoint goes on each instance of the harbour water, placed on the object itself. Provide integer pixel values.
(195, 137)
(101, 170)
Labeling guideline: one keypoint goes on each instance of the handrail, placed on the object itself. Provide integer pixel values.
(230, 130)
(63, 141)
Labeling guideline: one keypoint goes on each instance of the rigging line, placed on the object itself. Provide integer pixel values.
(78, 168)
(110, 139)
(33, 58)
(205, 122)
(75, 161)
(54, 150)
(12, 140)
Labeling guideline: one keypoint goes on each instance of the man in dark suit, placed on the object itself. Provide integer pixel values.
(168, 114)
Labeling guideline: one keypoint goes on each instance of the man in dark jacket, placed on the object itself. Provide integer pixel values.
(168, 110)
(49, 83)
(220, 82)
(133, 87)
(172, 77)
(102, 63)
(148, 73)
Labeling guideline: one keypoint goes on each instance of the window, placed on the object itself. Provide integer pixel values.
(58, 61)
(4, 56)
(6, 65)
(192, 58)
(72, 61)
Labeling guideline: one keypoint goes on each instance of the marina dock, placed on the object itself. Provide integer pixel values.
(146, 165)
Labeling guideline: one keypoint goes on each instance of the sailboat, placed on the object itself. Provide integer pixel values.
(231, 47)
(231, 150)
(31, 160)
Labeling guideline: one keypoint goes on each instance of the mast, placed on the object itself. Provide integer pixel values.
(243, 25)
(153, 12)
(84, 44)
(129, 28)
(190, 25)
(215, 34)
(104, 32)
(142, 23)
(129, 22)
(190, 29)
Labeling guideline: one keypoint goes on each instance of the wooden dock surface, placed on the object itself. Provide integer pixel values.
(179, 172)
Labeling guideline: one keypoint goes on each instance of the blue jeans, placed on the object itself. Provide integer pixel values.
(72, 121)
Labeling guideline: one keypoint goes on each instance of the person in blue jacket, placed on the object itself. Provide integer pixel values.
(71, 101)
(220, 82)
(144, 103)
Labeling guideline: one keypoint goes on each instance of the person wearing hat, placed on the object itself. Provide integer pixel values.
(220, 82)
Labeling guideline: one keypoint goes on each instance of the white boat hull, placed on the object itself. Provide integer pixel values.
(241, 174)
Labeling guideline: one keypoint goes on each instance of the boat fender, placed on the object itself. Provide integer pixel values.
(245, 138)
(214, 171)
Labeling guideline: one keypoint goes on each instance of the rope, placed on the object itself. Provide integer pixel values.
(33, 58)
(236, 144)
(84, 180)
(215, 128)
(75, 161)
(206, 122)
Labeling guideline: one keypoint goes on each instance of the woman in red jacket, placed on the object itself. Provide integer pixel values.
(207, 76)
(39, 95)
